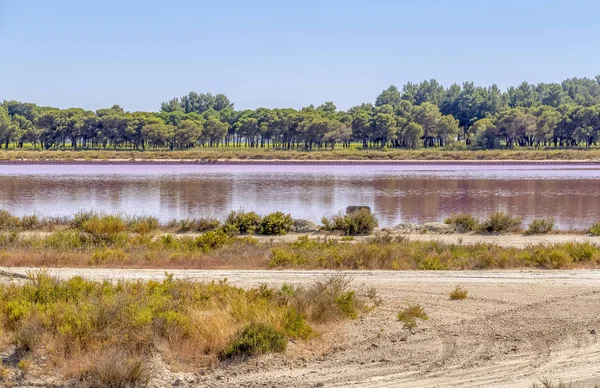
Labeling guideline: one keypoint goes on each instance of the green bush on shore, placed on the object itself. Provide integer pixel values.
(359, 222)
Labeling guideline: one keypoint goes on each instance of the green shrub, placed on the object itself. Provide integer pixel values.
(500, 222)
(105, 229)
(255, 339)
(212, 240)
(30, 222)
(295, 325)
(80, 218)
(66, 240)
(409, 316)
(540, 226)
(8, 221)
(595, 229)
(458, 293)
(143, 225)
(243, 222)
(462, 222)
(197, 225)
(360, 222)
(277, 224)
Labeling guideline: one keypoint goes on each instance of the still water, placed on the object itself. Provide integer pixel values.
(396, 194)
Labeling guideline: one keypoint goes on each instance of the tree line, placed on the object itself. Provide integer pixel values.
(426, 115)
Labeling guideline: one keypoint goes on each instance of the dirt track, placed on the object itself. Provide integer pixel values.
(516, 327)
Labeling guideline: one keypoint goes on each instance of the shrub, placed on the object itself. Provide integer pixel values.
(116, 369)
(81, 218)
(243, 222)
(198, 225)
(277, 224)
(500, 222)
(106, 229)
(360, 222)
(540, 226)
(458, 293)
(255, 339)
(30, 222)
(462, 222)
(409, 316)
(595, 229)
(8, 221)
(212, 240)
(143, 225)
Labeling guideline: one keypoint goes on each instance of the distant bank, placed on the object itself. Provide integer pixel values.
(290, 162)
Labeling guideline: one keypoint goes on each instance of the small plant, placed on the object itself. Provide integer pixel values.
(409, 316)
(212, 240)
(106, 229)
(255, 339)
(540, 226)
(277, 224)
(458, 293)
(24, 365)
(143, 225)
(500, 222)
(595, 230)
(462, 222)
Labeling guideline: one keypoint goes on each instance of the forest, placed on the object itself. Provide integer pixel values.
(423, 115)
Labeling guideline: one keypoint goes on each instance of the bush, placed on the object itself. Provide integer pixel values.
(540, 226)
(462, 222)
(197, 225)
(500, 222)
(116, 369)
(360, 222)
(409, 316)
(143, 225)
(30, 222)
(595, 230)
(212, 240)
(106, 229)
(243, 222)
(458, 293)
(255, 339)
(81, 218)
(277, 224)
(8, 221)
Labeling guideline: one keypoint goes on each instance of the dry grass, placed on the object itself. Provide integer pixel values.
(458, 293)
(217, 250)
(106, 333)
(410, 314)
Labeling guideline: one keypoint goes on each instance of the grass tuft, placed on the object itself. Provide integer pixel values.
(458, 293)
(410, 314)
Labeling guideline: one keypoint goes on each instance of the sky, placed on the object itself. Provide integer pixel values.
(279, 54)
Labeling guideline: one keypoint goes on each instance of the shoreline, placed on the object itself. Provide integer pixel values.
(407, 162)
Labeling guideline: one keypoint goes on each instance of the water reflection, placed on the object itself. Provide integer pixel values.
(396, 193)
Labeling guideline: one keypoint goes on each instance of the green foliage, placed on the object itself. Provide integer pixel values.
(105, 229)
(500, 222)
(360, 222)
(459, 293)
(540, 226)
(198, 225)
(410, 314)
(595, 229)
(255, 339)
(277, 224)
(462, 222)
(243, 222)
(8, 221)
(212, 240)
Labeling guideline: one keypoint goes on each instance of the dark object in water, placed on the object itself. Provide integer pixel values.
(352, 209)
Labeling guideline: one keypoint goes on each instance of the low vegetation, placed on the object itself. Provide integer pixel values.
(104, 333)
(500, 223)
(595, 229)
(540, 226)
(458, 293)
(462, 223)
(410, 314)
(217, 249)
(359, 222)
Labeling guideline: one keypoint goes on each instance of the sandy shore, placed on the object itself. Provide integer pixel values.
(516, 328)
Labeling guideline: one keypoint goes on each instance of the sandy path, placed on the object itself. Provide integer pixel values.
(516, 327)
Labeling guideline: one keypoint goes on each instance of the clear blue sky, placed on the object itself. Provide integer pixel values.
(93, 54)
